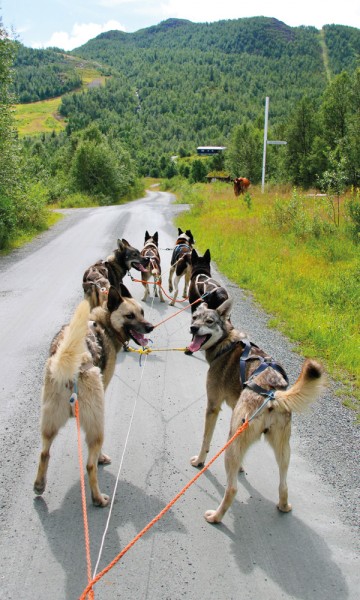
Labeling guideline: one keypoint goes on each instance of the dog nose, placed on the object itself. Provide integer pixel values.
(194, 329)
(149, 327)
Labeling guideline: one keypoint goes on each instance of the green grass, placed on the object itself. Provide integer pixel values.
(43, 117)
(39, 117)
(23, 238)
(310, 285)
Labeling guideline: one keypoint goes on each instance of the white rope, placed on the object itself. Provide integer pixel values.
(120, 465)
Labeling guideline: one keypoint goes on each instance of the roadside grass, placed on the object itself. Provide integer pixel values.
(52, 217)
(309, 282)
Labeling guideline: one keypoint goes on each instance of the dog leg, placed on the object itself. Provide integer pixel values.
(94, 448)
(280, 442)
(146, 292)
(233, 459)
(210, 422)
(170, 284)
(40, 481)
(161, 295)
(187, 281)
(175, 289)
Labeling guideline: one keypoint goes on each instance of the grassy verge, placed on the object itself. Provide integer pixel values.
(308, 279)
(43, 116)
(23, 238)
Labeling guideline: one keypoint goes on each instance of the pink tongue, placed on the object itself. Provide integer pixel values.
(196, 343)
(141, 268)
(142, 340)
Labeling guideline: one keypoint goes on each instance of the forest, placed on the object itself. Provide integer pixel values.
(172, 87)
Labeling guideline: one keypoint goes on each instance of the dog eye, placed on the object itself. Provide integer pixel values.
(209, 321)
(130, 316)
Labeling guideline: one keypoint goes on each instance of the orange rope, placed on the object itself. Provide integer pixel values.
(161, 513)
(90, 591)
(177, 313)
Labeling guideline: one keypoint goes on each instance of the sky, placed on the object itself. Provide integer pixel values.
(69, 24)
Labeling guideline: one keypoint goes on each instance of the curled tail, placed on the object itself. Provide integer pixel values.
(305, 390)
(66, 361)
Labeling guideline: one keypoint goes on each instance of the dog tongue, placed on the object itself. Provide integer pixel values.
(139, 267)
(140, 338)
(196, 343)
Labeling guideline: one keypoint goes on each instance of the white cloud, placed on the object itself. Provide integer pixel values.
(80, 34)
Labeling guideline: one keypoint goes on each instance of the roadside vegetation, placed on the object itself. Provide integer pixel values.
(299, 262)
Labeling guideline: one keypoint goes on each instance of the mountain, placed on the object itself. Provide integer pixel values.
(180, 84)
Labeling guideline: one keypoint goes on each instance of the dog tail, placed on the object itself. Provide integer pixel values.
(65, 363)
(305, 390)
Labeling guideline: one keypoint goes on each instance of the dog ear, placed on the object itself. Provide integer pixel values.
(190, 236)
(124, 292)
(122, 243)
(207, 256)
(194, 257)
(147, 235)
(156, 237)
(224, 309)
(114, 299)
(180, 231)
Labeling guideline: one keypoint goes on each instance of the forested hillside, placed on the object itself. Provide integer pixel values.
(42, 74)
(177, 85)
(180, 84)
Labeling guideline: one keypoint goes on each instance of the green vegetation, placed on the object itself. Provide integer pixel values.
(301, 267)
(42, 74)
(39, 117)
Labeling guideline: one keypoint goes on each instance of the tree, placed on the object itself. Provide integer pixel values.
(101, 167)
(300, 134)
(9, 172)
(335, 109)
(198, 171)
(244, 154)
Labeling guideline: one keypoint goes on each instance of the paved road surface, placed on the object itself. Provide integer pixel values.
(154, 420)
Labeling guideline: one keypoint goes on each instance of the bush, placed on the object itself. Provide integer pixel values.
(353, 214)
(8, 221)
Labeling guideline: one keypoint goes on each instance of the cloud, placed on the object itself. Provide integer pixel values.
(80, 34)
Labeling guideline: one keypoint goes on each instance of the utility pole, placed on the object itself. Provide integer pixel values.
(266, 142)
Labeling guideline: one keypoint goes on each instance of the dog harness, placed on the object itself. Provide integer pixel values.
(177, 251)
(207, 283)
(264, 364)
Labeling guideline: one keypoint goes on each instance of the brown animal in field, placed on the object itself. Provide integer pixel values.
(241, 184)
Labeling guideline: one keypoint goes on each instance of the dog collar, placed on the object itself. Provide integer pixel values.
(230, 347)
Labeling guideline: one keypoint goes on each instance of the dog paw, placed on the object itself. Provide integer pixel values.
(104, 459)
(39, 487)
(211, 517)
(102, 501)
(285, 508)
(196, 462)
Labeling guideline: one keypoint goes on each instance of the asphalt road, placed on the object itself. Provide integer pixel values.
(154, 421)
